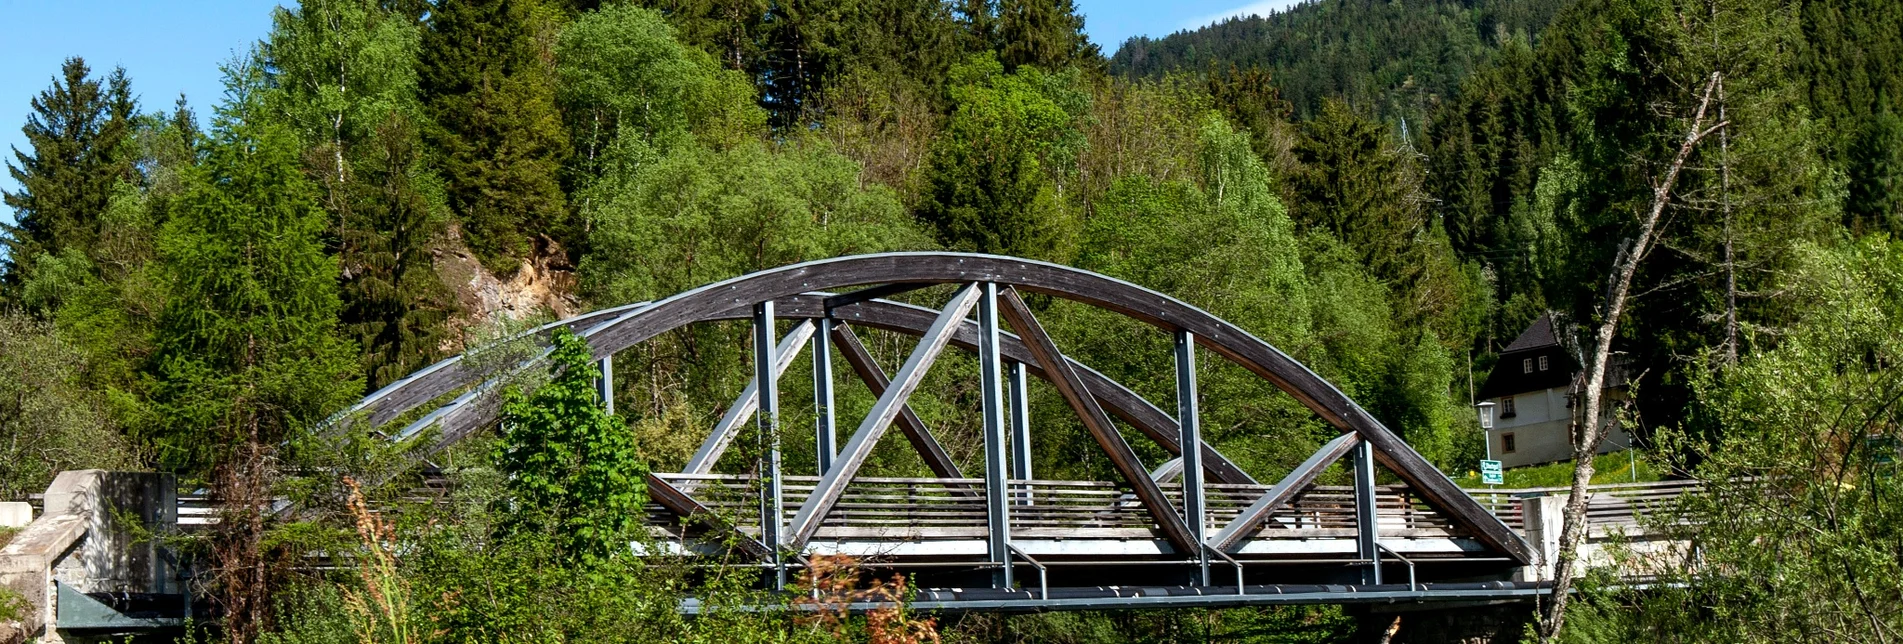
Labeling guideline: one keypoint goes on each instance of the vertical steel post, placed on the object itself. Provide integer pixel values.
(772, 510)
(1367, 518)
(1020, 430)
(605, 385)
(1191, 441)
(991, 376)
(826, 434)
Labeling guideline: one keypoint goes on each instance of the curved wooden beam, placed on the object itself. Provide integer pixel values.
(608, 334)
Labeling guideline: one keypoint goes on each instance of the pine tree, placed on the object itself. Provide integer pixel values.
(80, 132)
(994, 170)
(1046, 33)
(1875, 202)
(394, 304)
(491, 95)
(248, 354)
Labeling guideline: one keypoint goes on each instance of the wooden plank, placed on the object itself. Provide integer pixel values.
(1294, 483)
(1096, 421)
(684, 505)
(862, 362)
(883, 413)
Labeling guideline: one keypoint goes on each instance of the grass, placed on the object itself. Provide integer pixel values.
(1615, 467)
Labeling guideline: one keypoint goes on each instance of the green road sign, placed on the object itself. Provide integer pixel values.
(1883, 449)
(1491, 474)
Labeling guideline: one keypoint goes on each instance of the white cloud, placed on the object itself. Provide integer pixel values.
(1260, 8)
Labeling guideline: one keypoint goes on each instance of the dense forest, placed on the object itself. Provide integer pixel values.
(1387, 191)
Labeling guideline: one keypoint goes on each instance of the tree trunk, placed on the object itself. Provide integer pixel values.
(1587, 432)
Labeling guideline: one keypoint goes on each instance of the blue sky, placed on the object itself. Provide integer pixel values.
(173, 47)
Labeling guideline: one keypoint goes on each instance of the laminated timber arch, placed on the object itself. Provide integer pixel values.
(819, 295)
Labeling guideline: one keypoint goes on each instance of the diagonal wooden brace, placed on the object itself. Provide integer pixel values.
(1298, 479)
(853, 455)
(909, 423)
(1101, 428)
(680, 503)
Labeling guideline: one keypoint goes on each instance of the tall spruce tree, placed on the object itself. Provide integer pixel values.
(490, 93)
(80, 132)
(1046, 33)
(248, 353)
(1875, 202)
(996, 170)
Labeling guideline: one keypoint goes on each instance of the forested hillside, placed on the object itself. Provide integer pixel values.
(1399, 59)
(385, 184)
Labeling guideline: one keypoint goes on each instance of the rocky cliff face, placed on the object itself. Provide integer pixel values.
(542, 287)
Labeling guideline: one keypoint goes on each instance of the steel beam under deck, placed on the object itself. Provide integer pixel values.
(1148, 597)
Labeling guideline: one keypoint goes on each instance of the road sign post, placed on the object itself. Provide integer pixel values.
(1491, 474)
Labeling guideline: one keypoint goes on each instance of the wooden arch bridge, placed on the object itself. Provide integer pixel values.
(1001, 538)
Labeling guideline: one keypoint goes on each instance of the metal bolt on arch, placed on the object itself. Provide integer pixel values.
(1195, 530)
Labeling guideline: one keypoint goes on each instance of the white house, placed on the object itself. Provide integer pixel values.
(1531, 389)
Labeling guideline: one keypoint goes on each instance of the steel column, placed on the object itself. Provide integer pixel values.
(1367, 518)
(825, 432)
(743, 407)
(997, 445)
(1191, 440)
(1020, 430)
(605, 385)
(772, 510)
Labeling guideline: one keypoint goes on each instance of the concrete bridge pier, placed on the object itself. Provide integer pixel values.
(89, 564)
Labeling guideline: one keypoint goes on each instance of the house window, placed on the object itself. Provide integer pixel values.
(1506, 407)
(1527, 365)
(1542, 363)
(1506, 443)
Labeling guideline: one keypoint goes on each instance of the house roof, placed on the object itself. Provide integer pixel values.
(1538, 335)
(1511, 375)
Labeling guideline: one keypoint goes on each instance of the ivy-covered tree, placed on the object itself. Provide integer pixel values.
(80, 133)
(572, 467)
(489, 91)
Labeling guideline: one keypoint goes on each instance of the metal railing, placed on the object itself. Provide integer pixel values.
(1043, 576)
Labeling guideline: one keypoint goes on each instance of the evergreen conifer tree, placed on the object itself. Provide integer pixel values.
(993, 170)
(1875, 202)
(80, 132)
(1046, 33)
(490, 93)
(248, 355)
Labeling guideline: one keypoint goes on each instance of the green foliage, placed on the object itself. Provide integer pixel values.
(80, 152)
(1801, 515)
(1225, 243)
(998, 169)
(667, 223)
(1875, 199)
(489, 90)
(247, 344)
(347, 77)
(571, 466)
(394, 304)
(49, 419)
(623, 73)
